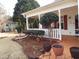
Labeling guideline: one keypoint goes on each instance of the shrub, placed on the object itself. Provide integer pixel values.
(35, 32)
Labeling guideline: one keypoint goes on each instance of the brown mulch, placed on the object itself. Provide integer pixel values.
(32, 46)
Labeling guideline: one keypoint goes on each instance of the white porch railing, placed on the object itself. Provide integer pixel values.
(51, 33)
(55, 34)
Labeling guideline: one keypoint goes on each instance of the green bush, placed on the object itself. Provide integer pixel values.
(35, 32)
(18, 29)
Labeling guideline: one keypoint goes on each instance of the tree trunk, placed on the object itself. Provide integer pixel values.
(50, 31)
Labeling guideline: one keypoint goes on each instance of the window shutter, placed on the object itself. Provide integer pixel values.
(65, 22)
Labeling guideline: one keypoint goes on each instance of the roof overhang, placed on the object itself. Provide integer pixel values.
(51, 7)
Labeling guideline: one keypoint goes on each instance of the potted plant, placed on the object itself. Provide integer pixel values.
(58, 49)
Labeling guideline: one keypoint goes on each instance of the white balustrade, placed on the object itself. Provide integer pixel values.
(55, 33)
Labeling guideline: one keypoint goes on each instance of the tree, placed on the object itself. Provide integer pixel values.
(36, 23)
(47, 19)
(33, 22)
(21, 7)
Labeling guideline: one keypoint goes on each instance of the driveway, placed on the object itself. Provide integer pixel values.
(10, 49)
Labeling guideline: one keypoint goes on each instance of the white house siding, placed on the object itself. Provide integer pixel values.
(70, 12)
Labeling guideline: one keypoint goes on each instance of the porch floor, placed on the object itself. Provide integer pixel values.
(67, 42)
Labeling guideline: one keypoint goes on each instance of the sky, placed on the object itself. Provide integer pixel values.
(10, 4)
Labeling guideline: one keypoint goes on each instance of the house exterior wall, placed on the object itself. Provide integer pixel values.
(70, 12)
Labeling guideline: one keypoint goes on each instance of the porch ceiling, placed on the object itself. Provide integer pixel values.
(51, 7)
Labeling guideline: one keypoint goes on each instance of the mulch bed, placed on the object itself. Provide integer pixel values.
(31, 46)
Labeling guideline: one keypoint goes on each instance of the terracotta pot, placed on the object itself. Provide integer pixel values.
(58, 50)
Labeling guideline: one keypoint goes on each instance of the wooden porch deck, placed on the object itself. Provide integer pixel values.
(67, 42)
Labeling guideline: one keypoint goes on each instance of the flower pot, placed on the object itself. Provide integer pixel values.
(58, 50)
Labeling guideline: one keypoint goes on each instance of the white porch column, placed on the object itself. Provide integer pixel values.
(27, 23)
(40, 26)
(59, 11)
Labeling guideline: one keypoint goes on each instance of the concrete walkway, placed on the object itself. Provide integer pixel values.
(10, 49)
(10, 34)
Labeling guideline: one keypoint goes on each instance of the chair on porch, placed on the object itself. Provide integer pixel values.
(74, 52)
